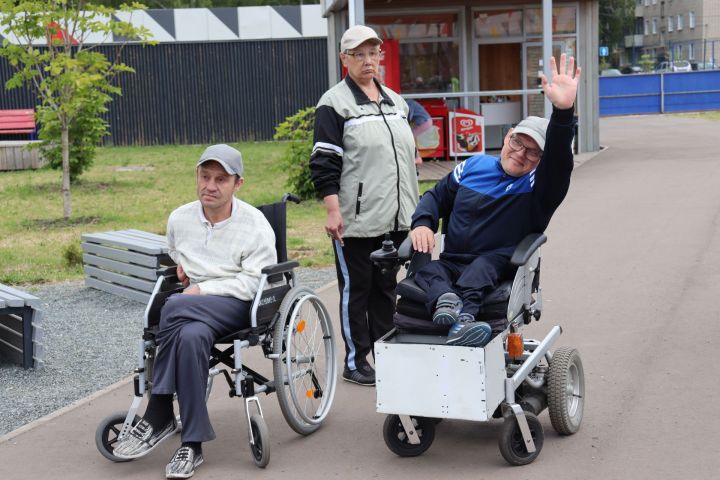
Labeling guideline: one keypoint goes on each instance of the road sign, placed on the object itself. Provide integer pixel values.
(604, 51)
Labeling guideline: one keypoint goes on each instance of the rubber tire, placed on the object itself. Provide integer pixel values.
(107, 432)
(393, 429)
(512, 445)
(261, 450)
(566, 368)
(287, 406)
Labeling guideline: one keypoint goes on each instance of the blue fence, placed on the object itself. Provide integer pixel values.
(660, 93)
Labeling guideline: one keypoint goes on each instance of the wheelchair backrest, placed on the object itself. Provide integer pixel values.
(275, 213)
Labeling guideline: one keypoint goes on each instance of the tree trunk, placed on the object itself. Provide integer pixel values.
(65, 140)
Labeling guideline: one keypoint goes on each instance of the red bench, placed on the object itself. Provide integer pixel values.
(18, 121)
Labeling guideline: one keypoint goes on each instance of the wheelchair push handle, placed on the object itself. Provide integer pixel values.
(291, 197)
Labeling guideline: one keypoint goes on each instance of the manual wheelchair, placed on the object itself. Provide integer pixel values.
(289, 323)
(420, 379)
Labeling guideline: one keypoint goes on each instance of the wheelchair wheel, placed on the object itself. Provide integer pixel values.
(512, 445)
(397, 440)
(261, 437)
(566, 391)
(107, 432)
(304, 366)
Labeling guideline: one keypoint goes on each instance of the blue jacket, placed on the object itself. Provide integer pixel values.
(490, 211)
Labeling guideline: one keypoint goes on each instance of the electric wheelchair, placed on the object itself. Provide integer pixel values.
(420, 379)
(289, 323)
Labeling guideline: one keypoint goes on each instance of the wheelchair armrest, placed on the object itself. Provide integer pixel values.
(405, 250)
(526, 248)
(279, 268)
(170, 274)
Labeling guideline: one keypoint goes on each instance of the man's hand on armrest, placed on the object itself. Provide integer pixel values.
(182, 276)
(423, 239)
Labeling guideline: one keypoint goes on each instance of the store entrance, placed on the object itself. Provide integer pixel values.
(500, 68)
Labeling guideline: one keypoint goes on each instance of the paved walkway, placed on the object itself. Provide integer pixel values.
(630, 271)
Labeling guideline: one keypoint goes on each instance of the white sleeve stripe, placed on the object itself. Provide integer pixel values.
(328, 146)
(457, 172)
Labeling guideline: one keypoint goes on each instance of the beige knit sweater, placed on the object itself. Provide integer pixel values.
(224, 259)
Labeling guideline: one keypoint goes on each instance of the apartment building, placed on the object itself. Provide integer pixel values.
(670, 30)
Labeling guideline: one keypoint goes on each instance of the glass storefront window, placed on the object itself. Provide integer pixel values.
(429, 67)
(494, 24)
(563, 20)
(401, 27)
(429, 49)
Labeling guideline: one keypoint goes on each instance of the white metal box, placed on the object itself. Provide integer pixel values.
(436, 380)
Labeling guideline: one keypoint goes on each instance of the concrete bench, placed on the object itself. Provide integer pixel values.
(20, 328)
(125, 262)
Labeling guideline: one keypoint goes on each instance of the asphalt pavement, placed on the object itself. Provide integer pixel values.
(630, 271)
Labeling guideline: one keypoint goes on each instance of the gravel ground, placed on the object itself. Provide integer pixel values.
(90, 342)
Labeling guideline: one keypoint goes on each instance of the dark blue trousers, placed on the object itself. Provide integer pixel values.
(468, 281)
(189, 324)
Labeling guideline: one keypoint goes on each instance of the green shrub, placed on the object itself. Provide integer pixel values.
(72, 254)
(298, 130)
(647, 63)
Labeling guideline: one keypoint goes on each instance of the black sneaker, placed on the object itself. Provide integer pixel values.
(364, 375)
(142, 439)
(447, 309)
(183, 463)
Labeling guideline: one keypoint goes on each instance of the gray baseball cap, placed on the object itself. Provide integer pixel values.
(535, 128)
(227, 156)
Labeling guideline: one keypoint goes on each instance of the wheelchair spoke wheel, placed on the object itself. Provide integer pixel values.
(305, 367)
(260, 446)
(512, 444)
(566, 391)
(107, 433)
(397, 440)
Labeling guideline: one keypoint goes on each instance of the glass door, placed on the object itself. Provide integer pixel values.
(534, 104)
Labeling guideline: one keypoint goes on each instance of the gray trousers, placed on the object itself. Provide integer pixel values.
(189, 324)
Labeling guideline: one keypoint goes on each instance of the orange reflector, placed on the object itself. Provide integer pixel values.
(301, 326)
(310, 393)
(515, 346)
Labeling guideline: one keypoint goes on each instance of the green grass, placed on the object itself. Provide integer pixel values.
(132, 187)
(713, 115)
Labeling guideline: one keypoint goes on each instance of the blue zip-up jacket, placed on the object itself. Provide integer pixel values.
(490, 211)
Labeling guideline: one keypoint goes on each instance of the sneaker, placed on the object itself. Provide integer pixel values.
(447, 309)
(183, 463)
(469, 333)
(142, 439)
(364, 375)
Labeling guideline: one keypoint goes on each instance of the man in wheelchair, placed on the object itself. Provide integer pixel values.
(491, 204)
(220, 245)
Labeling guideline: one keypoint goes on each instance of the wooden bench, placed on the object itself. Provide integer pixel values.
(125, 263)
(20, 328)
(18, 121)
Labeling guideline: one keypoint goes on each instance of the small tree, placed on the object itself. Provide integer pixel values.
(71, 79)
(647, 63)
(298, 129)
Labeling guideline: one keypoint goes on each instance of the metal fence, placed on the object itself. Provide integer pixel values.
(198, 93)
(660, 93)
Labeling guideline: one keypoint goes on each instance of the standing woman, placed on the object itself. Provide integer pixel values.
(363, 166)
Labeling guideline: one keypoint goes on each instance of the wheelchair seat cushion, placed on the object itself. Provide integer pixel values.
(494, 305)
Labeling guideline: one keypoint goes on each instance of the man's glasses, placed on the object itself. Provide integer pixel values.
(373, 55)
(532, 154)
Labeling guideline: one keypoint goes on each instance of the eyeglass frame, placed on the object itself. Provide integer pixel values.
(360, 56)
(524, 148)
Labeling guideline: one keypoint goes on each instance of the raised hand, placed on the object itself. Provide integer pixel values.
(562, 90)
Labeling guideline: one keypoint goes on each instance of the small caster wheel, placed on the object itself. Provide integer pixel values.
(107, 432)
(512, 445)
(397, 440)
(260, 446)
